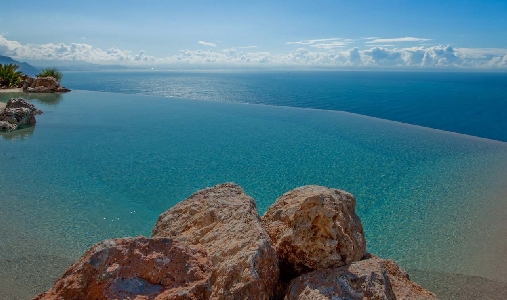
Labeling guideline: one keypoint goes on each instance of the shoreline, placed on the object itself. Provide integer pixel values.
(15, 90)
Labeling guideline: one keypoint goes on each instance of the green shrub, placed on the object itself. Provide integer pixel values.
(51, 71)
(10, 75)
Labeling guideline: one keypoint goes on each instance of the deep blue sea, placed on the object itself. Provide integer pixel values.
(468, 103)
(107, 158)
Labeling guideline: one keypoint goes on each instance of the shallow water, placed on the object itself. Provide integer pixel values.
(104, 165)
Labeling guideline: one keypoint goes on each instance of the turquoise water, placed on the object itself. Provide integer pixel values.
(468, 103)
(103, 165)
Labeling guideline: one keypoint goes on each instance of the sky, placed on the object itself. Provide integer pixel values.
(298, 33)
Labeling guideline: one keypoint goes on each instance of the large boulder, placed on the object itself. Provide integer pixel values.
(18, 113)
(314, 227)
(42, 85)
(48, 82)
(224, 220)
(371, 278)
(135, 268)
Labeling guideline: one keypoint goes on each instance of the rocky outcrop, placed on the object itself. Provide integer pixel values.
(6, 126)
(213, 246)
(42, 85)
(136, 268)
(314, 227)
(18, 113)
(372, 278)
(224, 220)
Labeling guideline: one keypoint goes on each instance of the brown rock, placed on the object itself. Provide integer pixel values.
(39, 89)
(314, 227)
(48, 82)
(135, 268)
(401, 284)
(372, 278)
(224, 220)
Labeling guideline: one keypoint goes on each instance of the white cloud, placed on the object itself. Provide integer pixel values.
(207, 44)
(73, 51)
(483, 52)
(143, 57)
(395, 40)
(247, 47)
(311, 53)
(329, 43)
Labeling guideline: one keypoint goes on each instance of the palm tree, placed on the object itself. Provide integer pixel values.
(9, 75)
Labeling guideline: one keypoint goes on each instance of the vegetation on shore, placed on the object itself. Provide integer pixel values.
(51, 71)
(9, 75)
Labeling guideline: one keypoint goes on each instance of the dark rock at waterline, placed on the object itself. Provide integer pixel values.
(18, 113)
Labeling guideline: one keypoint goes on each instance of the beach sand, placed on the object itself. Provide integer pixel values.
(15, 90)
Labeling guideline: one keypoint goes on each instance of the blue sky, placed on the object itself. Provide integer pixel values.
(466, 34)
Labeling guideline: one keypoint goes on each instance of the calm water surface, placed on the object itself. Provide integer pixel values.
(102, 165)
(468, 103)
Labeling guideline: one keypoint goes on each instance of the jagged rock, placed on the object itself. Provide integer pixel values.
(314, 227)
(371, 278)
(42, 85)
(18, 112)
(6, 126)
(224, 220)
(135, 268)
(49, 82)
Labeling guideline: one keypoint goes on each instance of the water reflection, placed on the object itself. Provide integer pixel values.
(46, 98)
(18, 134)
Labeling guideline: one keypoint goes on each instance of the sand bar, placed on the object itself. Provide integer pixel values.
(15, 90)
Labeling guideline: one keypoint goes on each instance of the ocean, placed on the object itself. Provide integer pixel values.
(469, 103)
(107, 158)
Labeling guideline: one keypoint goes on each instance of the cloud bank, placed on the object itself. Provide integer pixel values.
(326, 53)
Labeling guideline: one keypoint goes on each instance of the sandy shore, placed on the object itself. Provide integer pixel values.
(16, 90)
